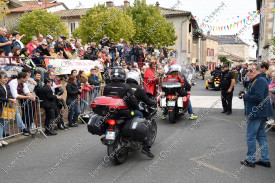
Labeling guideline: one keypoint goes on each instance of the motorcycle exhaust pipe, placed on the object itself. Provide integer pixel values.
(180, 111)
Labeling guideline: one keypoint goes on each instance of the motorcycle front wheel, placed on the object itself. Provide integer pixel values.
(117, 152)
(154, 129)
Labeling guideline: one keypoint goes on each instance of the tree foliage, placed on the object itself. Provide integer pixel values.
(150, 24)
(101, 20)
(4, 10)
(41, 22)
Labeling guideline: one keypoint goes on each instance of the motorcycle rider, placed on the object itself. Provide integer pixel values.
(118, 87)
(133, 79)
(217, 72)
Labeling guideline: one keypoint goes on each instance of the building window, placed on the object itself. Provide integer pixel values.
(72, 27)
(190, 28)
(208, 52)
(188, 45)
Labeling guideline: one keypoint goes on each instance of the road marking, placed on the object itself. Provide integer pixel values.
(208, 101)
(195, 159)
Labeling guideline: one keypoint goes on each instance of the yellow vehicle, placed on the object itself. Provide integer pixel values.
(213, 82)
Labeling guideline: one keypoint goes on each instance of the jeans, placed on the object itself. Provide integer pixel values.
(19, 121)
(74, 111)
(113, 55)
(190, 110)
(95, 92)
(137, 113)
(3, 126)
(256, 131)
(83, 105)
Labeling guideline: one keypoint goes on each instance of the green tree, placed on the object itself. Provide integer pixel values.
(101, 20)
(41, 22)
(223, 59)
(150, 24)
(3, 9)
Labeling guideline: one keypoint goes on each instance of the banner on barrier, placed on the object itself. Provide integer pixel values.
(64, 66)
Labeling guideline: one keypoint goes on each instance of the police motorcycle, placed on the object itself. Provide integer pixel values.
(172, 103)
(215, 80)
(120, 134)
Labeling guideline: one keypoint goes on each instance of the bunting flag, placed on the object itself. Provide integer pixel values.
(234, 25)
(237, 24)
(224, 28)
(221, 28)
(228, 27)
(243, 21)
(248, 18)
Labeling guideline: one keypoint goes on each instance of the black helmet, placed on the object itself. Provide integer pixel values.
(118, 73)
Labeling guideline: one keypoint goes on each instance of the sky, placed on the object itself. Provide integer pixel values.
(231, 11)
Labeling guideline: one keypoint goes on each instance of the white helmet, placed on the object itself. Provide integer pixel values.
(175, 68)
(134, 75)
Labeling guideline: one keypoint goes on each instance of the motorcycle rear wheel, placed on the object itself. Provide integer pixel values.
(116, 152)
(172, 116)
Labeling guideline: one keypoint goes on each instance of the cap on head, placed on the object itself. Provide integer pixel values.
(50, 37)
(50, 66)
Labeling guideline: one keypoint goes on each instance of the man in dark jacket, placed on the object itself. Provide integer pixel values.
(118, 87)
(133, 79)
(258, 108)
(227, 88)
(49, 104)
(59, 48)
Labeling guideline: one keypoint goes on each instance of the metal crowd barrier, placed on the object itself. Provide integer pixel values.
(15, 117)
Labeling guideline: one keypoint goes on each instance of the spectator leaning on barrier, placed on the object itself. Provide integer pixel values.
(5, 44)
(19, 90)
(4, 62)
(5, 98)
(72, 101)
(257, 110)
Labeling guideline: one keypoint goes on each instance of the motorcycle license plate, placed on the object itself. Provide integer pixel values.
(216, 85)
(171, 103)
(110, 135)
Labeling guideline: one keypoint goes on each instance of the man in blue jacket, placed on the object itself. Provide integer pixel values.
(258, 108)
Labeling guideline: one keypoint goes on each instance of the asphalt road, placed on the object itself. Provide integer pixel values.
(205, 150)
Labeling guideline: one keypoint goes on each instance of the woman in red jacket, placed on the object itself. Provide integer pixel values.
(151, 79)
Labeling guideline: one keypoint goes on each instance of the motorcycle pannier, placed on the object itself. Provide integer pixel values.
(110, 105)
(97, 125)
(136, 128)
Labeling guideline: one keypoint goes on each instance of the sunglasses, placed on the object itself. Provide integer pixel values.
(44, 45)
(250, 71)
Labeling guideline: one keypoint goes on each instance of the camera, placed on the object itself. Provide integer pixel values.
(240, 94)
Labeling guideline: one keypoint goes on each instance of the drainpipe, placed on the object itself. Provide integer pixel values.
(181, 32)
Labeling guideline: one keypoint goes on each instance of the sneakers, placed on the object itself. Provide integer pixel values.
(163, 117)
(192, 116)
(147, 152)
(3, 143)
(26, 132)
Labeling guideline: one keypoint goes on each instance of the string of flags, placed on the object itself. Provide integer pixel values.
(237, 22)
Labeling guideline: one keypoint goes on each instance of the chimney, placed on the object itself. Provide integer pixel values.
(157, 4)
(126, 4)
(109, 4)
